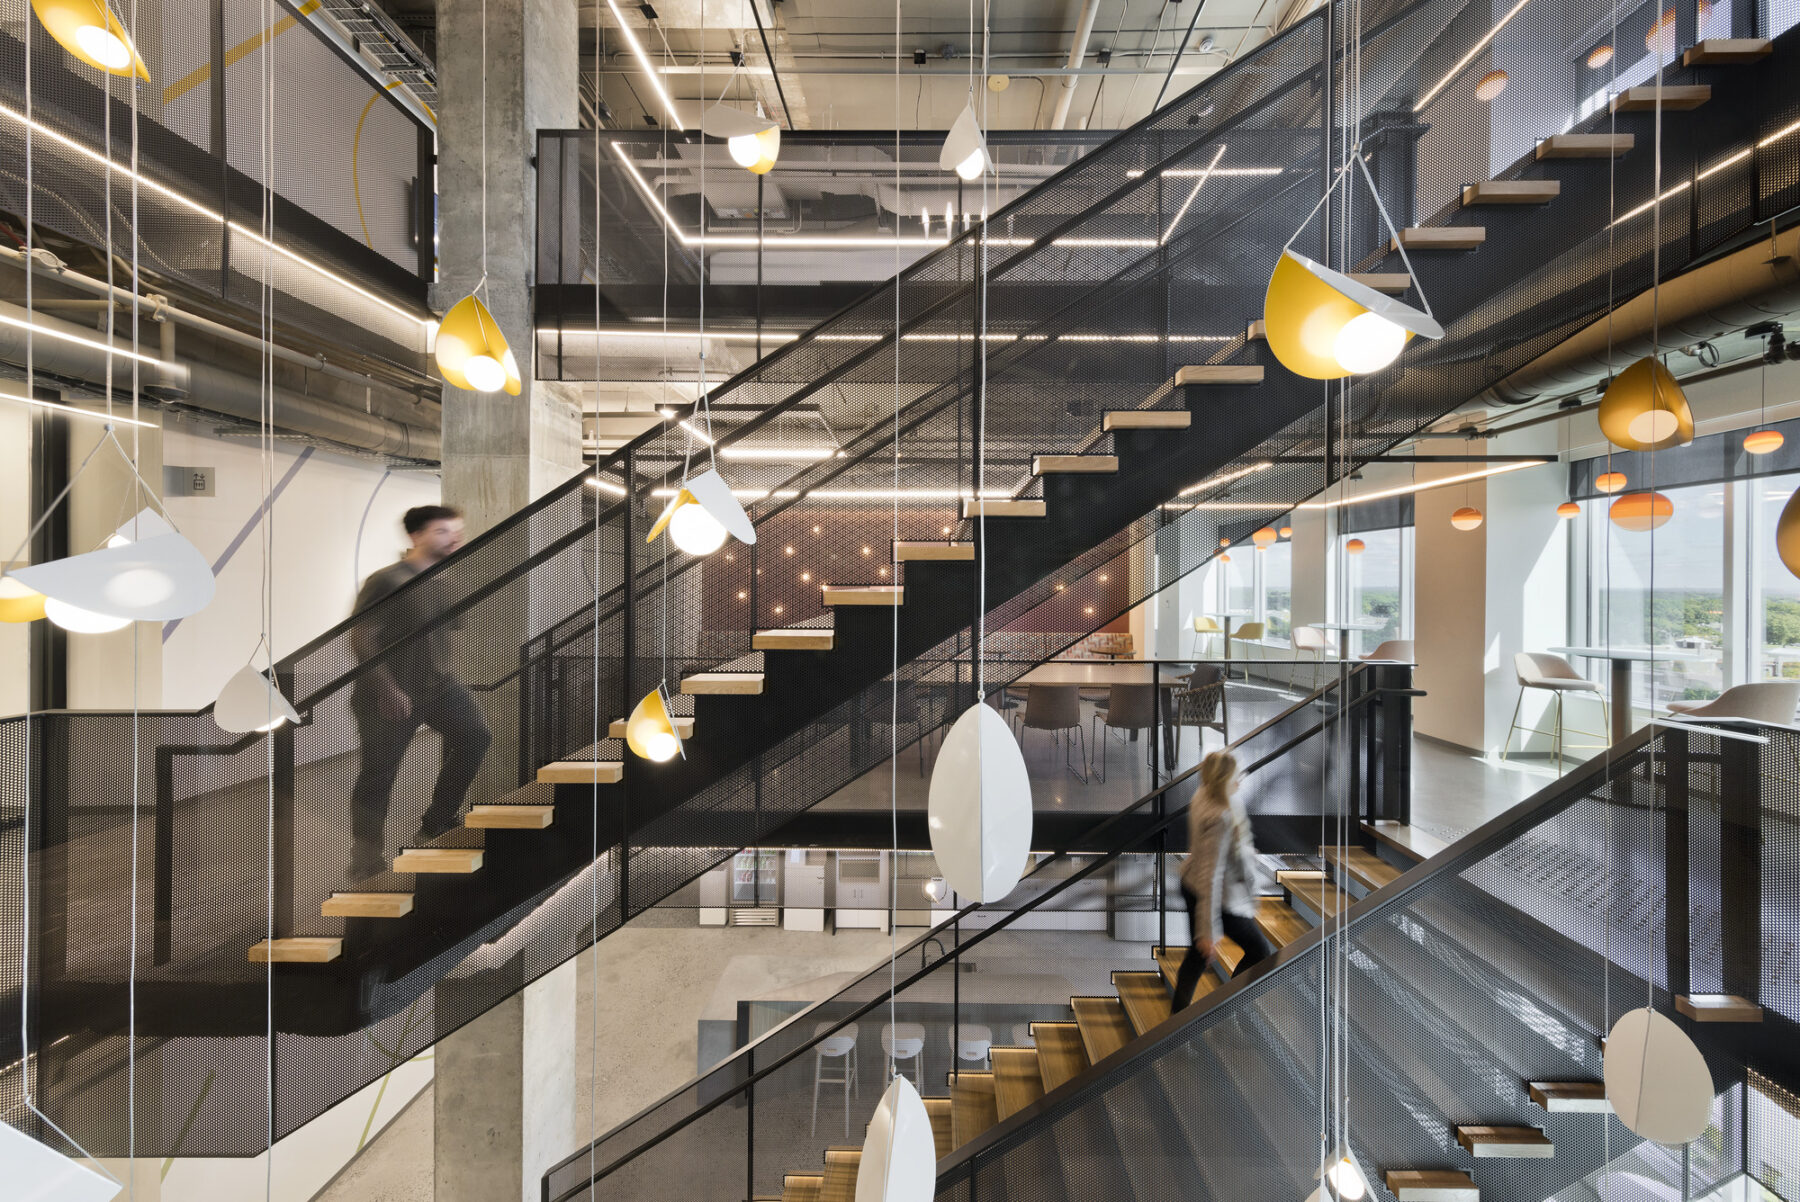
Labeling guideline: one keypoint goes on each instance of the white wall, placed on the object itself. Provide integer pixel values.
(1527, 603)
(1449, 607)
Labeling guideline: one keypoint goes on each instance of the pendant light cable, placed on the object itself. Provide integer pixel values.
(630, 584)
(894, 666)
(265, 419)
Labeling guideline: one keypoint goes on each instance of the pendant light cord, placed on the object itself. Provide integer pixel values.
(594, 700)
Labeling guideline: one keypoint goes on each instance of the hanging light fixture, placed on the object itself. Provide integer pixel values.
(1264, 537)
(1287, 532)
(1640, 512)
(753, 140)
(36, 1170)
(1656, 1079)
(650, 732)
(1224, 558)
(1610, 482)
(251, 701)
(1567, 510)
(1466, 518)
(18, 603)
(936, 888)
(702, 513)
(965, 147)
(1599, 56)
(1762, 442)
(1644, 409)
(88, 30)
(1490, 85)
(1224, 542)
(471, 351)
(1355, 546)
(980, 806)
(899, 1154)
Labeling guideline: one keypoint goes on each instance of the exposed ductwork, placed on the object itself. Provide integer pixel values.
(79, 356)
(1084, 29)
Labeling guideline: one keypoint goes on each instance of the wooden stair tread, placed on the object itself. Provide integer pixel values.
(1256, 331)
(803, 638)
(864, 594)
(684, 726)
(1146, 419)
(584, 772)
(1017, 1081)
(1440, 237)
(1719, 52)
(1001, 509)
(1060, 1054)
(1219, 373)
(1364, 866)
(1278, 921)
(943, 1132)
(1513, 1142)
(723, 684)
(367, 905)
(1676, 98)
(1393, 283)
(1168, 960)
(973, 1108)
(1319, 894)
(1718, 1008)
(1045, 465)
(1512, 192)
(438, 859)
(839, 1181)
(297, 949)
(1570, 1097)
(911, 552)
(1103, 1025)
(509, 818)
(1145, 997)
(1409, 841)
(1585, 146)
(802, 1187)
(1431, 1185)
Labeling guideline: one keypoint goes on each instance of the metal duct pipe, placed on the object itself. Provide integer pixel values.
(1759, 283)
(204, 387)
(1084, 29)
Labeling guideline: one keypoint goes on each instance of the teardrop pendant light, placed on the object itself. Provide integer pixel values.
(1763, 442)
(979, 808)
(899, 1154)
(1656, 1079)
(1644, 409)
(251, 701)
(650, 732)
(88, 30)
(965, 149)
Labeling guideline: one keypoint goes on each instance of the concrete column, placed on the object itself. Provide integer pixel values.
(1450, 607)
(501, 451)
(504, 1095)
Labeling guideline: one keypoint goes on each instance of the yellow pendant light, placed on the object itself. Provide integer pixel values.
(1466, 518)
(472, 352)
(88, 30)
(1610, 482)
(1762, 442)
(1263, 537)
(1644, 409)
(754, 141)
(1787, 534)
(1355, 546)
(650, 732)
(701, 514)
(1640, 512)
(1567, 510)
(19, 603)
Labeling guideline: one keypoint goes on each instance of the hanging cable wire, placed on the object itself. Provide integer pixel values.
(630, 588)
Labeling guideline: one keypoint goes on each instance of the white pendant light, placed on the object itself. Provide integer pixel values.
(154, 579)
(701, 513)
(251, 701)
(753, 140)
(37, 1171)
(936, 888)
(899, 1156)
(980, 807)
(1656, 1079)
(965, 149)
(1341, 1181)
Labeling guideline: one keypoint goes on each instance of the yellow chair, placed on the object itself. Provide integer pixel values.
(1249, 632)
(1204, 626)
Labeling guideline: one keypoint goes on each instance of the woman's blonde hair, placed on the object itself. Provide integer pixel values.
(1218, 772)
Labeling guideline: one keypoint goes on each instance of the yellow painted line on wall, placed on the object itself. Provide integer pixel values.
(200, 75)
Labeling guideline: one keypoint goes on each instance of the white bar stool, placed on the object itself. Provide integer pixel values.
(905, 1042)
(970, 1043)
(840, 1048)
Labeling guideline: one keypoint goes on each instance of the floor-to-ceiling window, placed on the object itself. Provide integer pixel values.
(1377, 586)
(1774, 619)
(1275, 588)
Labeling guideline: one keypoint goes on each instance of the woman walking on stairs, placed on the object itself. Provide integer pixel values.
(1219, 876)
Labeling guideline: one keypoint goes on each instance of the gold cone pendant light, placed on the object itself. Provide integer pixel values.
(472, 352)
(1323, 325)
(650, 731)
(88, 30)
(1644, 409)
(754, 141)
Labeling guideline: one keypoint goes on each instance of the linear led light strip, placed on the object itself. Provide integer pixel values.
(1713, 170)
(855, 494)
(1468, 58)
(1402, 490)
(78, 340)
(242, 231)
(637, 51)
(73, 411)
(1228, 477)
(1221, 172)
(784, 336)
(1198, 184)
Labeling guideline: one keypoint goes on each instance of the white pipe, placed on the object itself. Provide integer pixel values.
(1084, 29)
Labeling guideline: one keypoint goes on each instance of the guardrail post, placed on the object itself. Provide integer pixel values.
(163, 902)
(628, 666)
(283, 737)
(1676, 767)
(1740, 859)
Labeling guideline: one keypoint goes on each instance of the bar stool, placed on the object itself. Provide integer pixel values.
(1249, 632)
(905, 1042)
(970, 1043)
(840, 1048)
(1306, 640)
(1553, 673)
(1202, 627)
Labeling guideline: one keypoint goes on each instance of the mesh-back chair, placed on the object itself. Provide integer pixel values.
(1541, 670)
(1201, 705)
(1131, 707)
(1204, 627)
(1399, 651)
(1056, 708)
(1306, 640)
(1249, 632)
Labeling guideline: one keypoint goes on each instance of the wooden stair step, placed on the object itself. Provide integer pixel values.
(1227, 955)
(1146, 419)
(1319, 894)
(1512, 192)
(943, 1132)
(1585, 146)
(1219, 373)
(973, 1108)
(438, 859)
(1168, 960)
(1279, 922)
(1145, 997)
(803, 638)
(297, 949)
(910, 552)
(684, 726)
(509, 818)
(1718, 1008)
(584, 772)
(1409, 841)
(1256, 331)
(1526, 1143)
(972, 508)
(1103, 1025)
(1676, 98)
(1432, 1185)
(1071, 465)
(839, 1181)
(723, 684)
(1017, 1081)
(1060, 1053)
(802, 1187)
(1364, 866)
(367, 905)
(1440, 237)
(1570, 1097)
(864, 594)
(1725, 52)
(1393, 283)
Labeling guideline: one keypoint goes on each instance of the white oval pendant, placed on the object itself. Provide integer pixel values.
(1656, 1079)
(980, 807)
(899, 1157)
